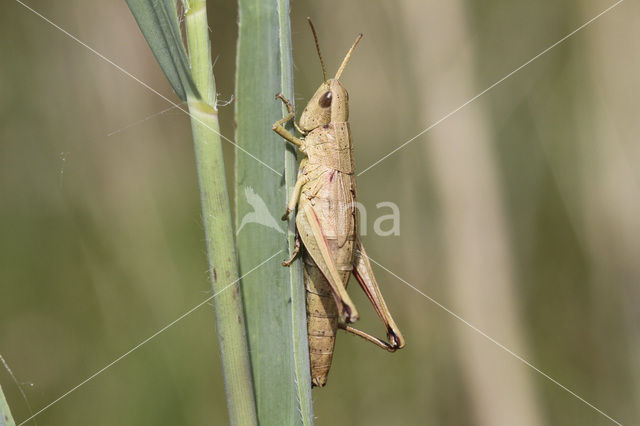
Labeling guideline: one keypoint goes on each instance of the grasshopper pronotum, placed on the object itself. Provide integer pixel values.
(327, 222)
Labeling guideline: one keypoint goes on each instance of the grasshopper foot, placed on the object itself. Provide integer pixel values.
(288, 263)
(296, 251)
(285, 216)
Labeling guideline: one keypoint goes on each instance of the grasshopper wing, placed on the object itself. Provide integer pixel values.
(344, 211)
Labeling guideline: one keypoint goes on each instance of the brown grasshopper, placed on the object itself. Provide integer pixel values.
(327, 222)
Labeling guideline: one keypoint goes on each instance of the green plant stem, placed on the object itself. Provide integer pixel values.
(5, 413)
(217, 221)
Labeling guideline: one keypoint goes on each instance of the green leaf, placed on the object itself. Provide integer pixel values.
(158, 21)
(275, 298)
(5, 412)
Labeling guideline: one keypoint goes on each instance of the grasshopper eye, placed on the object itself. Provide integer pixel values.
(325, 100)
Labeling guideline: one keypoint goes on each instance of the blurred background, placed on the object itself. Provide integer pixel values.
(520, 213)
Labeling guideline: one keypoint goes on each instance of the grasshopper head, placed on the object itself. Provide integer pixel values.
(328, 104)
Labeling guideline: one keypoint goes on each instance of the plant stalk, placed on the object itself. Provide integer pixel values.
(216, 215)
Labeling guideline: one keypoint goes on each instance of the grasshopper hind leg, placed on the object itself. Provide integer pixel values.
(317, 248)
(391, 347)
(364, 275)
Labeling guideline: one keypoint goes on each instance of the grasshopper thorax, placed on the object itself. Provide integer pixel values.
(329, 104)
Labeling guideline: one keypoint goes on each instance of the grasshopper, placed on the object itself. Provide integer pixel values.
(327, 222)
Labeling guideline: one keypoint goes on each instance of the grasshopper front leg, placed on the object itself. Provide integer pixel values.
(364, 274)
(278, 126)
(291, 113)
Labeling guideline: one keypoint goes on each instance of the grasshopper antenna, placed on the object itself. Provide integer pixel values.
(315, 37)
(346, 58)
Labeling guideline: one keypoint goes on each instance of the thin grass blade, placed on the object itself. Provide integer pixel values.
(158, 22)
(5, 413)
(296, 278)
(274, 299)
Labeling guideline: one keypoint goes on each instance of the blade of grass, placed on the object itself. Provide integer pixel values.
(275, 300)
(158, 22)
(5, 413)
(296, 279)
(216, 214)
